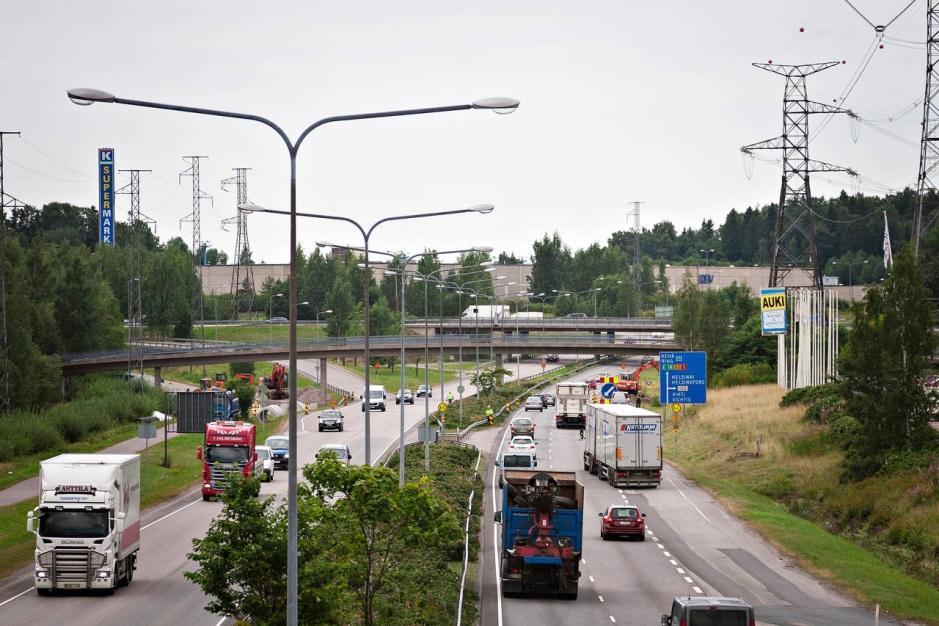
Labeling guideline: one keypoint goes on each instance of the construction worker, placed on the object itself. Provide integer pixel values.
(581, 434)
(450, 397)
(489, 414)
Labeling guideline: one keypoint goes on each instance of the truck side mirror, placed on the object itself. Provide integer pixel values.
(119, 522)
(600, 514)
(497, 462)
(535, 464)
(30, 523)
(254, 458)
(643, 514)
(497, 517)
(199, 453)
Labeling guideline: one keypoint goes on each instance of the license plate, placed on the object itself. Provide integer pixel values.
(72, 586)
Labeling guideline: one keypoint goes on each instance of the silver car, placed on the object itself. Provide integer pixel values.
(265, 462)
(340, 450)
(534, 403)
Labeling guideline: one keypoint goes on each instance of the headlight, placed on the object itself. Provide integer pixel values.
(46, 558)
(97, 559)
(286, 455)
(104, 573)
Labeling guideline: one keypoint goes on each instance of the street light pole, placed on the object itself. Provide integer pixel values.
(270, 317)
(86, 97)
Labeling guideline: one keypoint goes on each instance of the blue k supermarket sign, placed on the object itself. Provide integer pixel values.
(106, 220)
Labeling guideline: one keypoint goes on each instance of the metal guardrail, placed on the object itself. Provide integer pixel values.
(541, 383)
(557, 322)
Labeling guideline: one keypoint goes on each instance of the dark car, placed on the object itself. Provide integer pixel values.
(331, 419)
(622, 520)
(548, 399)
(576, 316)
(553, 358)
(278, 445)
(710, 611)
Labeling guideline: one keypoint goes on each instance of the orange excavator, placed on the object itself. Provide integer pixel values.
(630, 382)
(277, 382)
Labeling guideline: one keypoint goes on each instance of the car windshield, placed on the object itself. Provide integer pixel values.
(516, 460)
(331, 414)
(225, 454)
(524, 421)
(339, 452)
(264, 454)
(84, 524)
(625, 513)
(277, 442)
(522, 441)
(707, 617)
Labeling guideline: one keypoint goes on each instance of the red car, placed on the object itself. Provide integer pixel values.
(622, 520)
(591, 382)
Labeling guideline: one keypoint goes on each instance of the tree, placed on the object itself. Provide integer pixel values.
(489, 379)
(509, 258)
(885, 356)
(378, 524)
(550, 264)
(701, 320)
(341, 302)
(242, 561)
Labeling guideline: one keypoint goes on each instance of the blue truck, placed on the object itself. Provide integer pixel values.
(542, 520)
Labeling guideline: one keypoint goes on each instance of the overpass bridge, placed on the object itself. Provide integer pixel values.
(561, 324)
(182, 354)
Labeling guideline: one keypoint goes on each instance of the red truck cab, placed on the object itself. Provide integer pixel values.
(229, 447)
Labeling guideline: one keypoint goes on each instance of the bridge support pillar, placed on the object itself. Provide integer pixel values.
(158, 377)
(324, 392)
(499, 364)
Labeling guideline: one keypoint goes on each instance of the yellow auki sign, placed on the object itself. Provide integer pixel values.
(773, 302)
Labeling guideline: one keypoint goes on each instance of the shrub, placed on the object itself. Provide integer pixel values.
(807, 395)
(745, 374)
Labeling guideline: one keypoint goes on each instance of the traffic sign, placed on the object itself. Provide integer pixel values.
(676, 408)
(460, 389)
(442, 407)
(377, 365)
(683, 377)
(607, 390)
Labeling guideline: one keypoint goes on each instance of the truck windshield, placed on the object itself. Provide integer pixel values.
(84, 524)
(706, 617)
(225, 454)
(516, 460)
(376, 394)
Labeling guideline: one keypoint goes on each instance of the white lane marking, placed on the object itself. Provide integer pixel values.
(495, 530)
(673, 562)
(221, 621)
(679, 570)
(170, 514)
(688, 580)
(591, 578)
(660, 546)
(654, 538)
(697, 589)
(620, 490)
(612, 619)
(601, 598)
(22, 593)
(689, 500)
(666, 553)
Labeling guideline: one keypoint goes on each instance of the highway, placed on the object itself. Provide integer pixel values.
(159, 593)
(693, 546)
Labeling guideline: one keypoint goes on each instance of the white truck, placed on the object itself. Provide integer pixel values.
(376, 398)
(87, 524)
(623, 445)
(486, 313)
(572, 399)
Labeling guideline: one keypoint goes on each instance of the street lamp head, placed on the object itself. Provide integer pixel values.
(277, 295)
(303, 303)
(482, 208)
(486, 249)
(84, 97)
(250, 207)
(502, 106)
(326, 311)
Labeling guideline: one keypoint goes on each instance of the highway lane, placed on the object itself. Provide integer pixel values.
(159, 593)
(693, 546)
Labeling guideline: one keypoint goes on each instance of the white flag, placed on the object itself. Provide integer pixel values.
(888, 254)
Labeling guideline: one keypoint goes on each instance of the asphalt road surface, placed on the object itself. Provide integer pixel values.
(159, 593)
(693, 546)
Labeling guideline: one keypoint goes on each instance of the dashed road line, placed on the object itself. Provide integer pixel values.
(673, 562)
(601, 598)
(689, 580)
(697, 589)
(679, 570)
(666, 553)
(661, 547)
(612, 619)
(591, 579)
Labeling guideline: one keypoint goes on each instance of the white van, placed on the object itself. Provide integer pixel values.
(515, 460)
(376, 398)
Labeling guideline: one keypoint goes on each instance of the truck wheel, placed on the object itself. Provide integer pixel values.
(44, 592)
(571, 593)
(611, 477)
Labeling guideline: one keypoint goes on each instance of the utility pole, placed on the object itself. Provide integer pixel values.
(632, 218)
(136, 221)
(795, 243)
(929, 144)
(195, 299)
(242, 272)
(6, 202)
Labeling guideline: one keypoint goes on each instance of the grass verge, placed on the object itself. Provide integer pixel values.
(257, 332)
(452, 477)
(790, 493)
(414, 375)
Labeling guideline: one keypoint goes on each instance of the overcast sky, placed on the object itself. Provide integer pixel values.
(621, 100)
